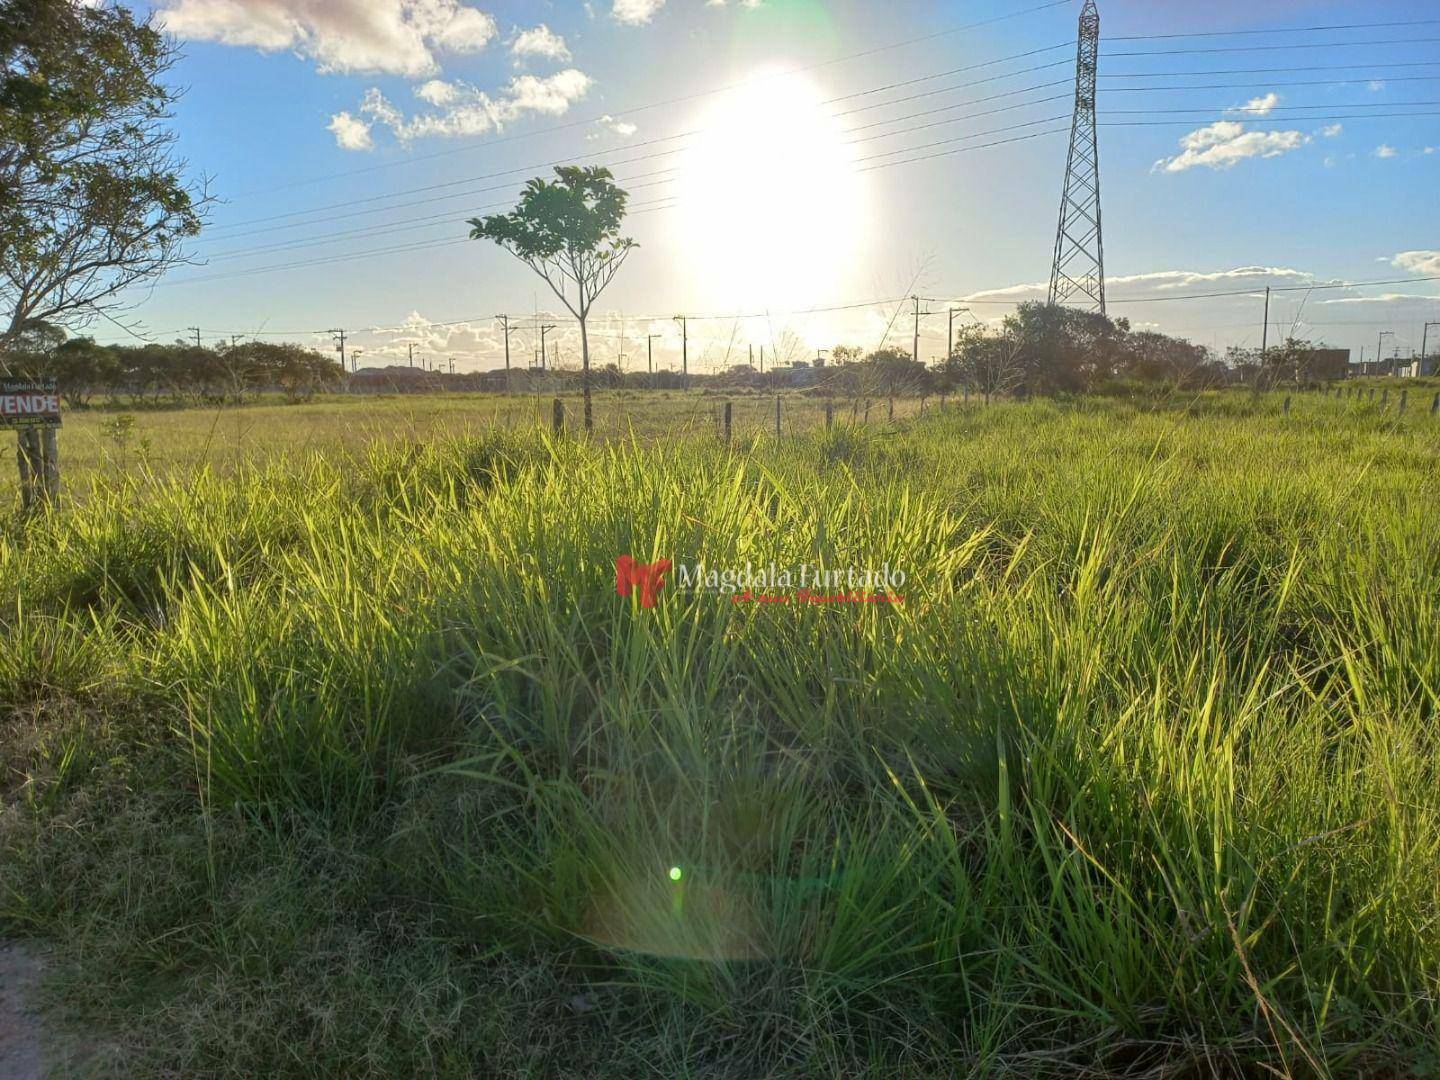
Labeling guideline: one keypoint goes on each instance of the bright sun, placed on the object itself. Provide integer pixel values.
(772, 207)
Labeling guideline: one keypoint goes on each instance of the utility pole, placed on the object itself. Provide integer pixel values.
(950, 340)
(1379, 353)
(339, 337)
(762, 359)
(1424, 342)
(545, 328)
(915, 347)
(685, 350)
(410, 347)
(1265, 330)
(196, 331)
(650, 356)
(505, 325)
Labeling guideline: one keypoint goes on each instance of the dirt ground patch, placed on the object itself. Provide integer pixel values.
(20, 1028)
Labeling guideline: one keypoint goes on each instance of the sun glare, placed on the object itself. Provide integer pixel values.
(773, 209)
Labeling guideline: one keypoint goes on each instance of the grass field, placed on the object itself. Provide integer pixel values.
(225, 437)
(330, 749)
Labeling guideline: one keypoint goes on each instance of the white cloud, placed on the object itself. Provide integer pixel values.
(608, 125)
(1329, 131)
(437, 92)
(1418, 262)
(1431, 149)
(1337, 314)
(635, 12)
(1260, 106)
(350, 132)
(1161, 282)
(1376, 85)
(1330, 161)
(539, 41)
(1384, 150)
(396, 37)
(1223, 144)
(464, 110)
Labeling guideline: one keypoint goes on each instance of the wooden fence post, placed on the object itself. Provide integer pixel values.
(777, 416)
(726, 423)
(1385, 397)
(50, 454)
(890, 411)
(1404, 400)
(867, 410)
(829, 414)
(1435, 404)
(557, 417)
(1287, 404)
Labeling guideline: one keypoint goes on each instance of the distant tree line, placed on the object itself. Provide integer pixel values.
(1038, 350)
(1043, 349)
(176, 373)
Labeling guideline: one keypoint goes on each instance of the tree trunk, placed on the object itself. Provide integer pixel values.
(585, 374)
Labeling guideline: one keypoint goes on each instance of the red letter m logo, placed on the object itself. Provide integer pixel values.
(649, 578)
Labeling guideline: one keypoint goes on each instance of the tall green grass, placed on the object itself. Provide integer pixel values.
(1141, 777)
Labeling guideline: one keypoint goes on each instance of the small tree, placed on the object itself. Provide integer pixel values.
(91, 198)
(568, 232)
(991, 364)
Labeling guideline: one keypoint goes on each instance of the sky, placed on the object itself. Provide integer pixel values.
(784, 156)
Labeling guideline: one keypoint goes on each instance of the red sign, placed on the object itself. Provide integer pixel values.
(29, 403)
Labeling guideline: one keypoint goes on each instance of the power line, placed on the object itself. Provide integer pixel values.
(449, 217)
(870, 158)
(1275, 30)
(882, 302)
(1266, 70)
(1271, 48)
(647, 106)
(1268, 118)
(520, 170)
(1244, 111)
(570, 125)
(389, 227)
(1268, 84)
(1254, 290)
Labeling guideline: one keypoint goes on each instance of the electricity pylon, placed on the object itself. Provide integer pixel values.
(1078, 275)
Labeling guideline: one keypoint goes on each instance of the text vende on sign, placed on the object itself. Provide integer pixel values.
(31, 403)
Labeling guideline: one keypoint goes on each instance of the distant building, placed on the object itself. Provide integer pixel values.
(1371, 368)
(1323, 364)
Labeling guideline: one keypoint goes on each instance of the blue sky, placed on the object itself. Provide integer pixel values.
(773, 173)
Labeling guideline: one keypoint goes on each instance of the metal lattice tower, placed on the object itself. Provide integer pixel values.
(1078, 275)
